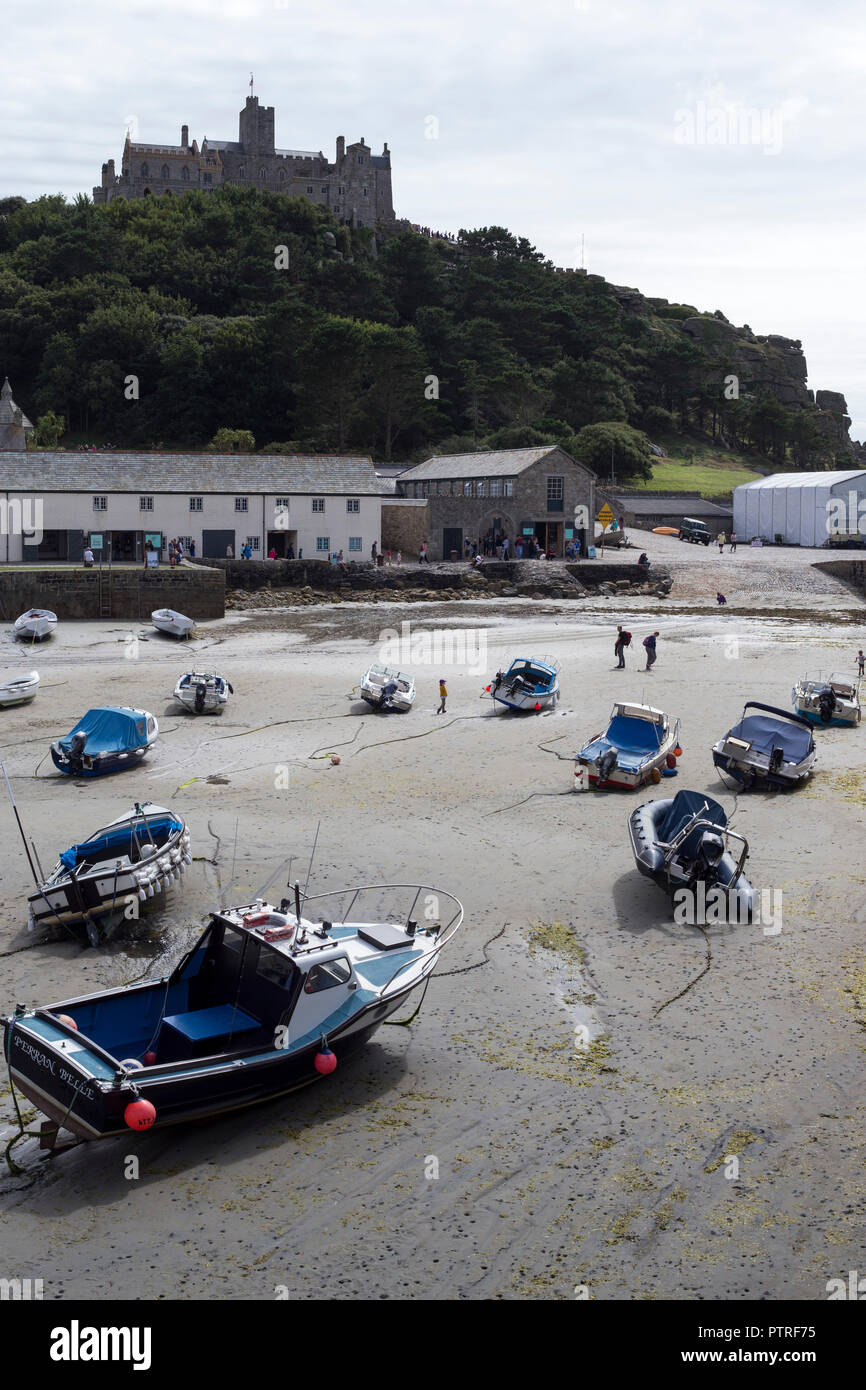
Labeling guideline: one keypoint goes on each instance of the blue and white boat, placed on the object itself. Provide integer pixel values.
(832, 699)
(768, 748)
(530, 683)
(639, 741)
(268, 1000)
(107, 739)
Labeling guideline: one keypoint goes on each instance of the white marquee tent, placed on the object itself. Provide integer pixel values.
(803, 508)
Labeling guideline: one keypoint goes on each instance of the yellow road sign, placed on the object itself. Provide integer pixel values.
(605, 516)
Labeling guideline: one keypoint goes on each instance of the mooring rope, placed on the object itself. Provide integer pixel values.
(700, 976)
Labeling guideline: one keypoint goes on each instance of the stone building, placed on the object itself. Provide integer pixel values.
(356, 186)
(541, 492)
(14, 425)
(646, 510)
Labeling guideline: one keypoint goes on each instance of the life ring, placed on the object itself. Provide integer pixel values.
(273, 925)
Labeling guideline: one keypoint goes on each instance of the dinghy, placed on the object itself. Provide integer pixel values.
(103, 879)
(834, 700)
(17, 690)
(638, 742)
(384, 688)
(268, 1000)
(683, 843)
(105, 740)
(771, 748)
(35, 625)
(530, 683)
(203, 693)
(175, 624)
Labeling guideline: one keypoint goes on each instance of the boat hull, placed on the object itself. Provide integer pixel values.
(754, 774)
(19, 692)
(528, 702)
(101, 765)
(650, 860)
(171, 623)
(396, 705)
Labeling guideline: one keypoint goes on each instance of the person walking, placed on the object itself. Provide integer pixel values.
(505, 545)
(720, 599)
(650, 646)
(373, 552)
(861, 662)
(721, 542)
(422, 554)
(623, 640)
(733, 543)
(230, 554)
(443, 695)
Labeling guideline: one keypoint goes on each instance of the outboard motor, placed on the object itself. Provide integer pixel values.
(777, 757)
(826, 703)
(75, 751)
(708, 858)
(200, 693)
(606, 764)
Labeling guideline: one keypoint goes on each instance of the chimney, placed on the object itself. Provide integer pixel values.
(184, 136)
(341, 146)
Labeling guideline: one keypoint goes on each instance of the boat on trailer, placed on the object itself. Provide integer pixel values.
(104, 878)
(107, 739)
(530, 683)
(203, 693)
(35, 625)
(833, 699)
(770, 748)
(639, 742)
(384, 688)
(18, 690)
(268, 1000)
(683, 843)
(175, 624)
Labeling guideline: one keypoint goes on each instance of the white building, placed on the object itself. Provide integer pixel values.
(802, 508)
(308, 506)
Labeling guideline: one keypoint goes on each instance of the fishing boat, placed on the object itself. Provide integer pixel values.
(638, 743)
(106, 739)
(102, 880)
(384, 688)
(268, 1000)
(35, 625)
(530, 683)
(683, 843)
(175, 624)
(202, 693)
(770, 748)
(18, 690)
(831, 700)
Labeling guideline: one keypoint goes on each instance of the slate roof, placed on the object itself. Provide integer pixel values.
(8, 408)
(116, 471)
(492, 463)
(671, 506)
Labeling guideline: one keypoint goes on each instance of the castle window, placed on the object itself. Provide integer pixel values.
(283, 175)
(341, 189)
(166, 172)
(309, 188)
(242, 173)
(360, 159)
(324, 188)
(366, 193)
(184, 174)
(145, 172)
(206, 178)
(263, 173)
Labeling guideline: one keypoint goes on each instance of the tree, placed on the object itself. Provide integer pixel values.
(611, 447)
(227, 441)
(50, 429)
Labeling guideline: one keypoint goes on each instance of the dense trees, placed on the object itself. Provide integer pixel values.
(248, 311)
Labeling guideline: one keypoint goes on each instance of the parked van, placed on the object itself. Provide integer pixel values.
(691, 530)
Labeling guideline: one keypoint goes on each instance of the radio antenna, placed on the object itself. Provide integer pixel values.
(312, 855)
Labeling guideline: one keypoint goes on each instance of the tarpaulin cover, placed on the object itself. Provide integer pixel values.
(634, 740)
(684, 807)
(116, 840)
(109, 730)
(766, 733)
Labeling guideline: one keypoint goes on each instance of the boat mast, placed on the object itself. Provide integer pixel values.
(20, 827)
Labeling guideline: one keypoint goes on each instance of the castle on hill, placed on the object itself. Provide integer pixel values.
(356, 187)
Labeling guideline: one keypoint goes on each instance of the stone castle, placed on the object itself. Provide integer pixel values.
(356, 187)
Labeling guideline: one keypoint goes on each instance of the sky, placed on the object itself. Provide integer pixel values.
(706, 152)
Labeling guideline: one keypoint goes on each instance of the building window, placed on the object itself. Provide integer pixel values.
(360, 159)
(242, 504)
(166, 173)
(318, 504)
(353, 504)
(341, 189)
(494, 487)
(452, 488)
(145, 504)
(186, 542)
(253, 542)
(283, 175)
(555, 493)
(196, 504)
(507, 487)
(467, 489)
(242, 173)
(480, 489)
(425, 489)
(355, 542)
(145, 171)
(100, 504)
(438, 487)
(263, 173)
(184, 174)
(365, 192)
(282, 504)
(323, 543)
(309, 188)
(206, 178)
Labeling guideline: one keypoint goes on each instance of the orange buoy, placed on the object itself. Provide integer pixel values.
(70, 1022)
(325, 1062)
(139, 1114)
(678, 752)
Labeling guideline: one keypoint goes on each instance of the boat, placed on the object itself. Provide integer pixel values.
(106, 739)
(638, 743)
(268, 1000)
(202, 693)
(384, 688)
(530, 683)
(18, 690)
(175, 624)
(666, 530)
(104, 878)
(35, 625)
(834, 700)
(683, 843)
(772, 748)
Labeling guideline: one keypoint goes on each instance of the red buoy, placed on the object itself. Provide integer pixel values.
(671, 760)
(70, 1022)
(149, 1059)
(537, 705)
(140, 1114)
(487, 688)
(325, 1062)
(678, 752)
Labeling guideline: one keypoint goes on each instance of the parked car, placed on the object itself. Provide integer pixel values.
(695, 531)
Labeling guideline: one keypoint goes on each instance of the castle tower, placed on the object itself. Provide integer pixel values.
(256, 127)
(13, 422)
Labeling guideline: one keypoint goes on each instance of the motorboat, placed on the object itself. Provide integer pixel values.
(530, 683)
(35, 625)
(637, 745)
(384, 688)
(831, 700)
(202, 693)
(175, 624)
(770, 748)
(102, 880)
(106, 739)
(268, 1000)
(683, 843)
(18, 690)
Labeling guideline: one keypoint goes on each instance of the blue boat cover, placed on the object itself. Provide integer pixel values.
(634, 739)
(767, 733)
(117, 839)
(684, 807)
(109, 730)
(532, 670)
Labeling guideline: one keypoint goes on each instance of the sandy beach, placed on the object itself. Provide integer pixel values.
(561, 1167)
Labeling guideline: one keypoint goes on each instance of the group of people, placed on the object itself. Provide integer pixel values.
(624, 639)
(177, 551)
(730, 540)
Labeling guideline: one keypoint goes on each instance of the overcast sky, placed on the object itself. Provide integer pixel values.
(708, 151)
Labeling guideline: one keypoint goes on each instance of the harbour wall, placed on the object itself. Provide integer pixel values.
(73, 592)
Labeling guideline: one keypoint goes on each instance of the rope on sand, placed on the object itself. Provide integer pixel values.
(437, 728)
(316, 719)
(563, 757)
(700, 976)
(568, 792)
(440, 974)
(317, 752)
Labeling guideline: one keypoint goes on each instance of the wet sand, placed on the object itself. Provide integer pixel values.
(559, 1165)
